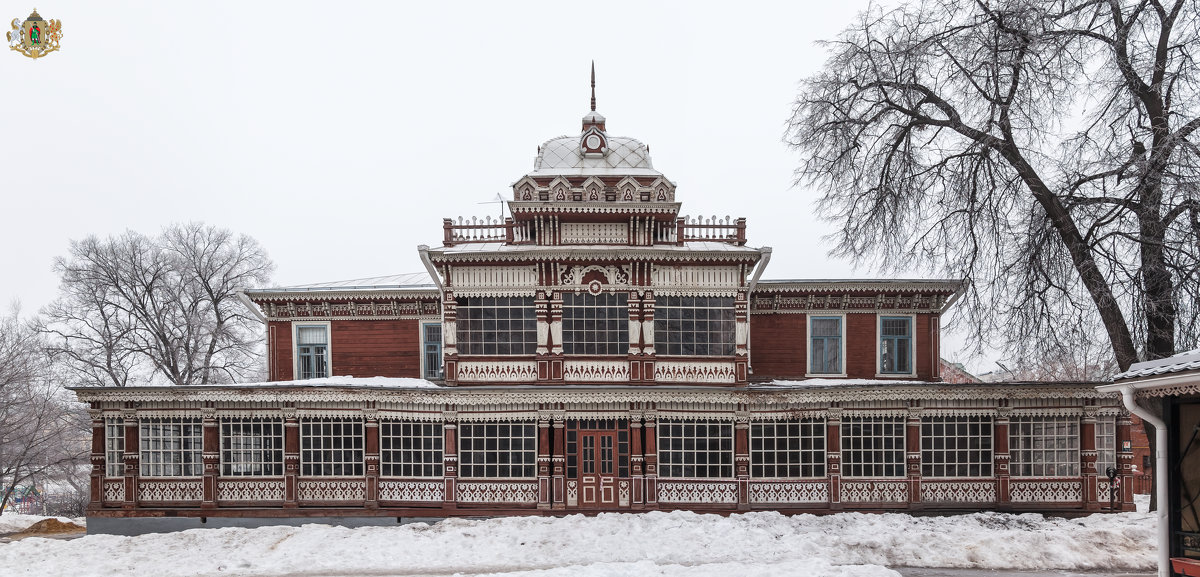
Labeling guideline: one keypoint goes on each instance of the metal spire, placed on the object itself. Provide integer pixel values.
(593, 86)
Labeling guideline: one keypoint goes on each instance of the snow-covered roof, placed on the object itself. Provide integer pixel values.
(411, 281)
(854, 284)
(1185, 361)
(563, 156)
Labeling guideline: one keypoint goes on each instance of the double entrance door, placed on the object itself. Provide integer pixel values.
(597, 468)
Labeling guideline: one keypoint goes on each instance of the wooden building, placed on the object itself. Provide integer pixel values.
(597, 351)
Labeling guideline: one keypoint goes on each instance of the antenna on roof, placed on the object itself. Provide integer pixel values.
(499, 200)
(593, 86)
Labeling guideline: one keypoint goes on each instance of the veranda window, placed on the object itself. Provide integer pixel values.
(699, 326)
(695, 449)
(595, 324)
(497, 450)
(171, 447)
(251, 446)
(496, 326)
(410, 449)
(787, 449)
(1044, 446)
(873, 446)
(959, 446)
(1106, 444)
(331, 446)
(114, 447)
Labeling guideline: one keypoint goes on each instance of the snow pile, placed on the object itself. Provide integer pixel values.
(17, 522)
(675, 544)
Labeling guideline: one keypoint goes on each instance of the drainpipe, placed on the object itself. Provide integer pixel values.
(1160, 477)
(253, 308)
(423, 250)
(765, 258)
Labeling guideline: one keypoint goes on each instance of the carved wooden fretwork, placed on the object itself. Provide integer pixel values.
(114, 491)
(498, 492)
(573, 276)
(170, 490)
(429, 491)
(666, 371)
(1045, 491)
(572, 493)
(596, 371)
(595, 233)
(1103, 487)
(687, 279)
(623, 493)
(874, 491)
(493, 280)
(789, 492)
(497, 371)
(696, 491)
(842, 301)
(231, 490)
(351, 310)
(333, 490)
(958, 491)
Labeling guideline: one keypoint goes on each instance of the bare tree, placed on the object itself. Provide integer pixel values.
(137, 309)
(1043, 149)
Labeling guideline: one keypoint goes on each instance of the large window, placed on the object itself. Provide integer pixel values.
(1106, 444)
(787, 449)
(956, 446)
(114, 446)
(895, 345)
(312, 351)
(1044, 446)
(251, 447)
(825, 334)
(497, 450)
(171, 447)
(595, 324)
(410, 449)
(695, 449)
(873, 446)
(331, 447)
(496, 326)
(431, 342)
(702, 326)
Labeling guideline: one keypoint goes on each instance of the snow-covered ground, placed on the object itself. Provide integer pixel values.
(14, 522)
(657, 543)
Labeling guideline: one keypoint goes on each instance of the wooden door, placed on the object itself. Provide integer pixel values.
(597, 468)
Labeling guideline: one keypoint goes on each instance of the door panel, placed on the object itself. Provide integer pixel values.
(597, 468)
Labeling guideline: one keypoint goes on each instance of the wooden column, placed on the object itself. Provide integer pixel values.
(651, 429)
(556, 338)
(648, 337)
(210, 453)
(450, 338)
(637, 461)
(741, 311)
(1088, 456)
(371, 458)
(543, 462)
(558, 462)
(833, 456)
(132, 457)
(912, 453)
(450, 459)
(1001, 455)
(741, 458)
(1125, 460)
(291, 456)
(97, 459)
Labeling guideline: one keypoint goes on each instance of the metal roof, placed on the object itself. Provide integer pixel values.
(412, 280)
(1185, 361)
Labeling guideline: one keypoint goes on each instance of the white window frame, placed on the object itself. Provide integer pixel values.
(912, 349)
(664, 448)
(394, 457)
(466, 469)
(949, 454)
(1037, 462)
(441, 347)
(818, 466)
(1111, 450)
(848, 464)
(809, 346)
(114, 446)
(296, 346)
(188, 456)
(314, 461)
(261, 457)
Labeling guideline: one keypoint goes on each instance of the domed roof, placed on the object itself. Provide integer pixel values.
(563, 156)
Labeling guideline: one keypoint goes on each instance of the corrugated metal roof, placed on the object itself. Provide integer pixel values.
(1185, 361)
(412, 280)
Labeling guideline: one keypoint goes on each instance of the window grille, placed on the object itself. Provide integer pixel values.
(956, 446)
(700, 326)
(496, 326)
(873, 446)
(497, 450)
(251, 447)
(410, 449)
(331, 446)
(787, 449)
(573, 430)
(312, 351)
(1044, 446)
(695, 449)
(595, 324)
(114, 447)
(171, 447)
(826, 345)
(431, 334)
(895, 345)
(1106, 444)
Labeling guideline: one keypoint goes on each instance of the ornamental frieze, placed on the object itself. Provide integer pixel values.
(352, 310)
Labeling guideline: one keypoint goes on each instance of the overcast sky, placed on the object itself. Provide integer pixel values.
(339, 135)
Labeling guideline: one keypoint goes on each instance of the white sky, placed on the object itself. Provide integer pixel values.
(339, 135)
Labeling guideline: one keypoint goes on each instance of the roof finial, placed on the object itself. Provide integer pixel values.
(593, 86)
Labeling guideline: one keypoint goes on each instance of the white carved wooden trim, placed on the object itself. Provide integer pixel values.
(241, 490)
(697, 491)
(170, 490)
(789, 492)
(332, 490)
(498, 492)
(114, 491)
(666, 371)
(874, 491)
(497, 371)
(1066, 491)
(596, 371)
(623, 493)
(595, 233)
(958, 491)
(465, 279)
(669, 278)
(572, 493)
(432, 491)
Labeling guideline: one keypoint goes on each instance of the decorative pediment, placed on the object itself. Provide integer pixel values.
(580, 277)
(525, 189)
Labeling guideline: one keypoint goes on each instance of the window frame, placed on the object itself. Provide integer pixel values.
(663, 344)
(846, 450)
(466, 455)
(190, 454)
(463, 329)
(617, 347)
(821, 455)
(266, 453)
(392, 461)
(114, 446)
(912, 345)
(440, 372)
(296, 363)
(930, 464)
(841, 348)
(1017, 451)
(316, 468)
(1106, 422)
(664, 449)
